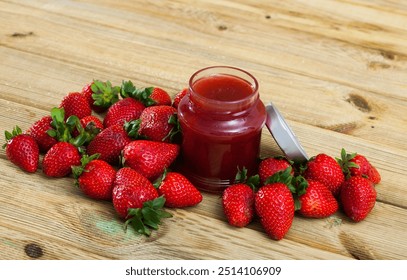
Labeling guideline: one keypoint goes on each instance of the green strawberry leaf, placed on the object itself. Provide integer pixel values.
(300, 185)
(175, 130)
(104, 94)
(9, 135)
(132, 128)
(127, 89)
(345, 162)
(148, 217)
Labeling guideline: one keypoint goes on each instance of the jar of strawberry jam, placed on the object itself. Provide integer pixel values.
(221, 119)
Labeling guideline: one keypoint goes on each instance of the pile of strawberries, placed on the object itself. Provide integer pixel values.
(315, 189)
(118, 143)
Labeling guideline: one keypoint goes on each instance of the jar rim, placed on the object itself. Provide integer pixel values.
(225, 70)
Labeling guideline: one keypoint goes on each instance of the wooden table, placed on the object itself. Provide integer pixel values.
(337, 70)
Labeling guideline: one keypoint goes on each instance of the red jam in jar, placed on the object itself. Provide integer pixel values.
(221, 119)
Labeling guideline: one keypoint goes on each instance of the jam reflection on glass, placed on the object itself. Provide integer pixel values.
(221, 119)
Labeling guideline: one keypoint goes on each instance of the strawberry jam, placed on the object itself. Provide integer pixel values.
(221, 119)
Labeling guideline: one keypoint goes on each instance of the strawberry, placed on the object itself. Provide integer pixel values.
(357, 165)
(318, 201)
(326, 170)
(95, 177)
(274, 205)
(58, 160)
(101, 95)
(238, 204)
(109, 143)
(178, 191)
(374, 175)
(150, 158)
(358, 197)
(22, 150)
(272, 165)
(60, 157)
(150, 96)
(136, 200)
(178, 97)
(156, 123)
(75, 104)
(39, 132)
(91, 125)
(160, 97)
(93, 121)
(128, 176)
(124, 110)
(238, 199)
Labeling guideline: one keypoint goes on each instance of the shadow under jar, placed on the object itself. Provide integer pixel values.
(221, 119)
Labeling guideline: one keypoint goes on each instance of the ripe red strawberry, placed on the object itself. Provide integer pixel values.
(101, 95)
(178, 97)
(274, 205)
(75, 104)
(326, 170)
(109, 144)
(160, 97)
(92, 120)
(158, 123)
(238, 199)
(131, 194)
(136, 200)
(357, 165)
(150, 96)
(95, 178)
(374, 175)
(150, 158)
(39, 132)
(91, 125)
(22, 150)
(124, 110)
(128, 176)
(272, 165)
(178, 191)
(58, 160)
(238, 204)
(358, 197)
(318, 201)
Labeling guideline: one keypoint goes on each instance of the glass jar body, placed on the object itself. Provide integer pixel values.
(221, 119)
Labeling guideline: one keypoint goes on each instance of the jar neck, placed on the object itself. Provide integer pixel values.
(223, 90)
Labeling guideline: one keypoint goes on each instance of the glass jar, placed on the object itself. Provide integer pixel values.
(221, 119)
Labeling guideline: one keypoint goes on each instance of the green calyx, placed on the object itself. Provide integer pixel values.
(9, 135)
(345, 162)
(157, 183)
(79, 169)
(128, 89)
(63, 129)
(175, 130)
(147, 218)
(104, 94)
(252, 181)
(296, 184)
(132, 128)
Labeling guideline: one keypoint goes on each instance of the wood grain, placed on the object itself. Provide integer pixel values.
(337, 70)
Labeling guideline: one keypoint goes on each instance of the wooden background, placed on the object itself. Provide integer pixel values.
(337, 70)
